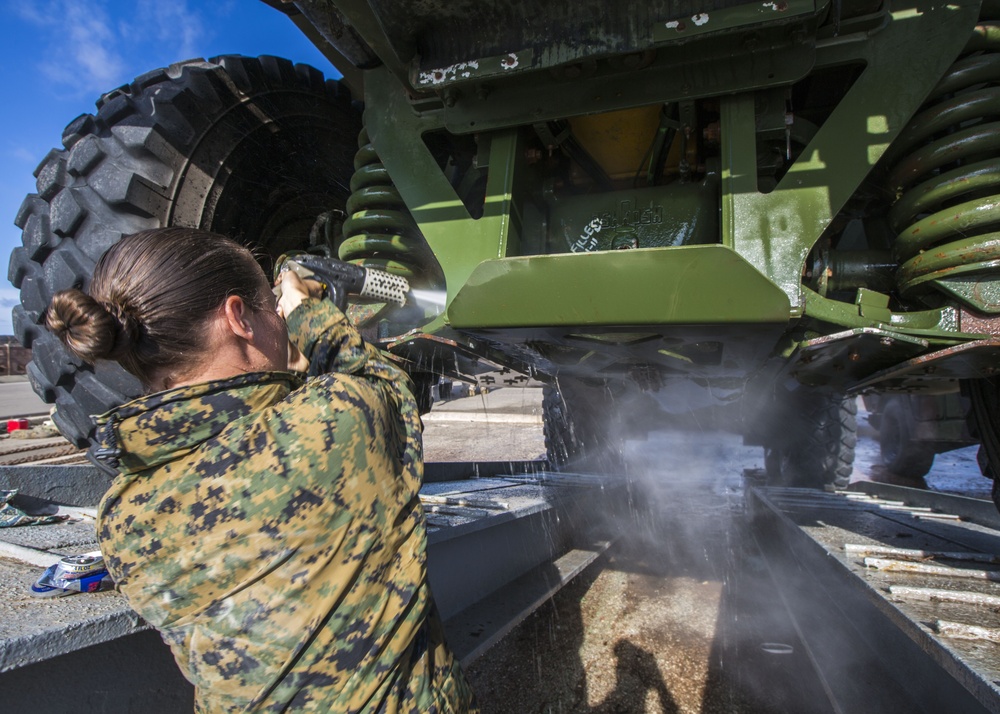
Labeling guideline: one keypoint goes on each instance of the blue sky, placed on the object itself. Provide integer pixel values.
(58, 56)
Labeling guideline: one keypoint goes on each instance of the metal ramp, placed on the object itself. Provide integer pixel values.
(899, 582)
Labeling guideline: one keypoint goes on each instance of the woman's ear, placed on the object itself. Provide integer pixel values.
(237, 315)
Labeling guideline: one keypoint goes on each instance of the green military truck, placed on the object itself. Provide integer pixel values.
(913, 429)
(763, 206)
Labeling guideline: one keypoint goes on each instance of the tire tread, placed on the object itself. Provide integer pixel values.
(117, 174)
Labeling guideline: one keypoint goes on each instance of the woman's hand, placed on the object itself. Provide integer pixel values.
(294, 290)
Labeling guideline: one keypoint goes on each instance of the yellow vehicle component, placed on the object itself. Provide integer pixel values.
(620, 141)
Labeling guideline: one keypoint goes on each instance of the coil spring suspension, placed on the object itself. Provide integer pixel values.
(948, 183)
(380, 231)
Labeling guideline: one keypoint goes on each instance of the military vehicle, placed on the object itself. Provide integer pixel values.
(767, 205)
(913, 429)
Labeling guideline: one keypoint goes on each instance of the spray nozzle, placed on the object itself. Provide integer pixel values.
(340, 279)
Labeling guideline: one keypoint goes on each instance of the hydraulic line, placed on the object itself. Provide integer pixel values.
(947, 214)
(380, 231)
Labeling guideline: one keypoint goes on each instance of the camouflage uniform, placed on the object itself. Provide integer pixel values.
(272, 532)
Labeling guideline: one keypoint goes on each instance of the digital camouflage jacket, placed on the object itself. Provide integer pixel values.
(271, 530)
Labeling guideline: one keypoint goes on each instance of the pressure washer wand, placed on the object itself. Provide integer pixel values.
(340, 279)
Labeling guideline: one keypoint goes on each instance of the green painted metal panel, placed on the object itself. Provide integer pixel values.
(705, 67)
(458, 241)
(433, 78)
(772, 233)
(776, 231)
(652, 286)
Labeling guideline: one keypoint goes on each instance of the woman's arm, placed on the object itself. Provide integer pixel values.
(326, 337)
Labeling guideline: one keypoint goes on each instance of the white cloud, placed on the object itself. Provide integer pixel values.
(22, 154)
(82, 46)
(174, 26)
(88, 52)
(91, 42)
(32, 12)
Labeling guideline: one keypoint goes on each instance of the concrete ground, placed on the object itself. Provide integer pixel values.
(501, 425)
(18, 400)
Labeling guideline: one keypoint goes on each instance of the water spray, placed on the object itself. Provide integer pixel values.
(432, 301)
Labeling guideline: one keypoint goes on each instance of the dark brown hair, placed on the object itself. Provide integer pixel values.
(150, 297)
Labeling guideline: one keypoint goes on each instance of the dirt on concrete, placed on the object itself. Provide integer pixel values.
(478, 441)
(657, 625)
(616, 640)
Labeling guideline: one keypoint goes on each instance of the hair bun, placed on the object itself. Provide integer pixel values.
(127, 328)
(90, 329)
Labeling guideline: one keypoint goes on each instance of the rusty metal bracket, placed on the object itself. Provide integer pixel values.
(842, 358)
(971, 360)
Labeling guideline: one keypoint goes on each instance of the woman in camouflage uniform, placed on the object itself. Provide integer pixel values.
(269, 527)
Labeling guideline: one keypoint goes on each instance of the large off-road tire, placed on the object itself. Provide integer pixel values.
(814, 444)
(902, 455)
(581, 432)
(254, 148)
(984, 424)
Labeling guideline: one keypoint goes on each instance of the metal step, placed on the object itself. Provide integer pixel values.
(483, 624)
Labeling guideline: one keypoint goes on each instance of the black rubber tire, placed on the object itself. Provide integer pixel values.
(984, 424)
(901, 454)
(580, 430)
(815, 448)
(254, 148)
